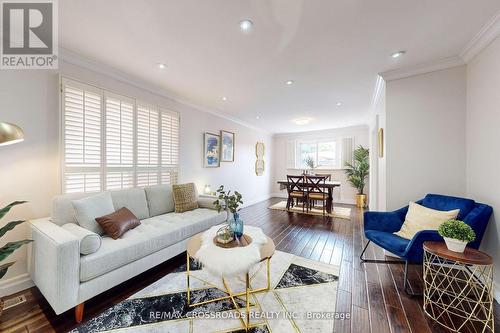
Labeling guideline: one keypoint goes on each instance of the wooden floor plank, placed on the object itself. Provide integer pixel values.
(372, 294)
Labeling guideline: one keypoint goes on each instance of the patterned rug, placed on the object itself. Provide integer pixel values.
(302, 299)
(338, 212)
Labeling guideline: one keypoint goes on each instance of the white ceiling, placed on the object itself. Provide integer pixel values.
(332, 49)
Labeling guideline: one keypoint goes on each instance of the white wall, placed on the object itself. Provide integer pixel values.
(425, 136)
(483, 136)
(30, 170)
(346, 192)
(378, 164)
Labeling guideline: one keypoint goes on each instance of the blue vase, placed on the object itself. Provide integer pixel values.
(236, 225)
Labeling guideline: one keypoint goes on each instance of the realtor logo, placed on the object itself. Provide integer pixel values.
(29, 34)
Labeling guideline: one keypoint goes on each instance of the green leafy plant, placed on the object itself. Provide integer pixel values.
(457, 229)
(227, 201)
(357, 171)
(309, 162)
(10, 247)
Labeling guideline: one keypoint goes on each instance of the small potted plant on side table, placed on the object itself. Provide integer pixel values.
(456, 235)
(227, 201)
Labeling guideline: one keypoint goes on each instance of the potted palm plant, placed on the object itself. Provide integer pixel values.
(10, 247)
(456, 235)
(357, 173)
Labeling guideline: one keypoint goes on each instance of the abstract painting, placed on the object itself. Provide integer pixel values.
(211, 150)
(227, 152)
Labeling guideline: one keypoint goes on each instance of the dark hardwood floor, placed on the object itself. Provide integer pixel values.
(372, 293)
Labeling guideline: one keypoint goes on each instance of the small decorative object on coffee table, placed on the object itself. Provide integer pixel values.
(227, 201)
(456, 235)
(458, 291)
(225, 235)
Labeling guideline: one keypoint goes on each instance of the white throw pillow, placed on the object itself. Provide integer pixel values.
(89, 241)
(88, 209)
(421, 218)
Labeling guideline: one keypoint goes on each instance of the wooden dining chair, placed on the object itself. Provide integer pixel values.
(296, 190)
(328, 176)
(316, 191)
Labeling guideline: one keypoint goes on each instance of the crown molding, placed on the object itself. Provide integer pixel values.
(428, 67)
(482, 39)
(95, 66)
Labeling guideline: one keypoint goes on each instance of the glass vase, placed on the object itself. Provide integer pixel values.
(236, 225)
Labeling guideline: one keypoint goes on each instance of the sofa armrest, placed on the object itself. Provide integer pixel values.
(382, 221)
(55, 264)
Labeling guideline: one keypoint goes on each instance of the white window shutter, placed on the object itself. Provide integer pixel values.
(82, 138)
(347, 151)
(147, 136)
(291, 150)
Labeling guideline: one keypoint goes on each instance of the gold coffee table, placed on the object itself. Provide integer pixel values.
(266, 252)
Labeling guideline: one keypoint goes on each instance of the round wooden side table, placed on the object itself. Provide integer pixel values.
(458, 291)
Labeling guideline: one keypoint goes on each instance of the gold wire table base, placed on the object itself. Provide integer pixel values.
(457, 295)
(230, 295)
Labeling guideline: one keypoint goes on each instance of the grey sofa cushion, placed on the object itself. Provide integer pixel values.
(160, 199)
(89, 241)
(133, 199)
(87, 209)
(62, 207)
(152, 235)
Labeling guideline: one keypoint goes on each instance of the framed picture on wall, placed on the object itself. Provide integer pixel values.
(211, 150)
(227, 146)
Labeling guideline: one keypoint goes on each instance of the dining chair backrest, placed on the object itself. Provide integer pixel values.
(295, 183)
(328, 176)
(316, 184)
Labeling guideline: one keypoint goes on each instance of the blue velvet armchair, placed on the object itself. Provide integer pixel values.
(380, 227)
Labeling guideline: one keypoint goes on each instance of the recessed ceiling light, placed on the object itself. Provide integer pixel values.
(398, 54)
(339, 103)
(162, 66)
(246, 25)
(289, 82)
(301, 121)
(257, 117)
(224, 98)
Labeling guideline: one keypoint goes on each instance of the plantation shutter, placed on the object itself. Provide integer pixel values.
(82, 144)
(148, 120)
(347, 151)
(119, 142)
(290, 154)
(169, 132)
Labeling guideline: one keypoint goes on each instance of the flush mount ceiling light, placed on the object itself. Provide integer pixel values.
(339, 103)
(257, 117)
(162, 66)
(398, 54)
(289, 82)
(301, 121)
(224, 98)
(246, 25)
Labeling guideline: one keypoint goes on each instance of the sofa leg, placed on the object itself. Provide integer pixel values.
(79, 312)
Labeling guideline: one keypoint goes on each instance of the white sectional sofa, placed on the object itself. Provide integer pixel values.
(67, 278)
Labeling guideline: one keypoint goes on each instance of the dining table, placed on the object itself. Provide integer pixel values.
(329, 185)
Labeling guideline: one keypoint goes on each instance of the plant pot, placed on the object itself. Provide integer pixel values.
(455, 245)
(361, 200)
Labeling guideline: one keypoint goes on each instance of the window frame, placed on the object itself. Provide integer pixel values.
(317, 142)
(103, 169)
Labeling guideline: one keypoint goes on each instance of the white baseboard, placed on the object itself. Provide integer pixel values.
(15, 284)
(341, 201)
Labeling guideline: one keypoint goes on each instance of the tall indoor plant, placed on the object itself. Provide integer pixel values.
(357, 173)
(10, 247)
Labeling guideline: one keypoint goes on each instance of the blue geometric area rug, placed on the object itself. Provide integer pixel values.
(302, 299)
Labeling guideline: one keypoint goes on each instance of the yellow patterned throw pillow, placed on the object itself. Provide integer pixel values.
(185, 197)
(422, 218)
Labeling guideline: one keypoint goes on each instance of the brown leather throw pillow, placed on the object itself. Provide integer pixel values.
(117, 223)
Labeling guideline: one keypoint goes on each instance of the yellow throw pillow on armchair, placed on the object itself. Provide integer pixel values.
(421, 218)
(185, 197)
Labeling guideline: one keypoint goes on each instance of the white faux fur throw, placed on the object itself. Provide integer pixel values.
(228, 262)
